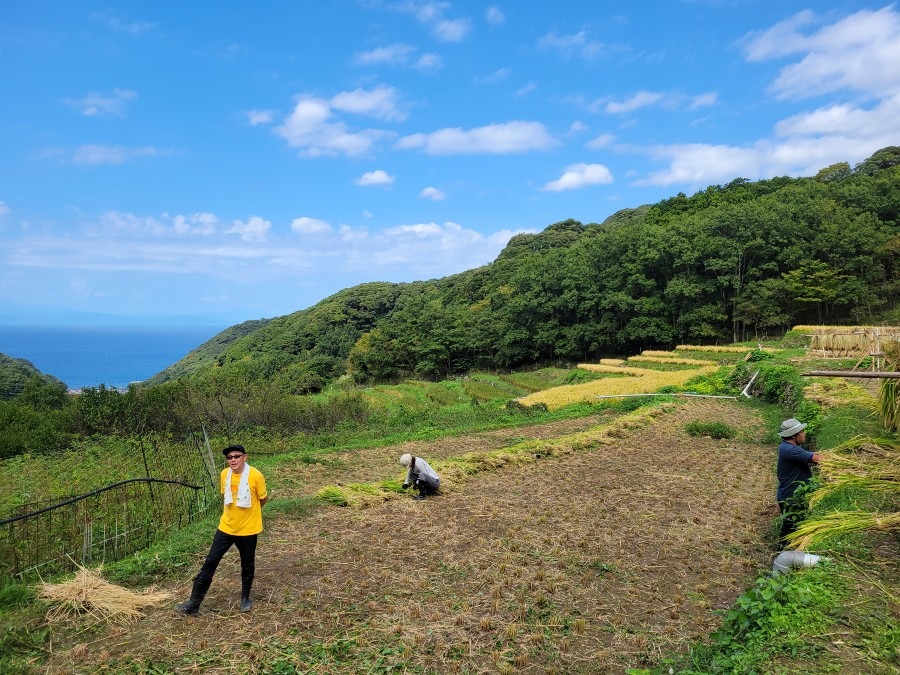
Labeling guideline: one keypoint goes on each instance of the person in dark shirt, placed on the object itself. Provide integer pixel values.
(794, 469)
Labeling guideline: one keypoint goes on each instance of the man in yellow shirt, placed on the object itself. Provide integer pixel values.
(244, 491)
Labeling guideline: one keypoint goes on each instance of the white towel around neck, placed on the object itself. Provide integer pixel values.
(243, 495)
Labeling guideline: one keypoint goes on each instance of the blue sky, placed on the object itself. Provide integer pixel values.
(232, 161)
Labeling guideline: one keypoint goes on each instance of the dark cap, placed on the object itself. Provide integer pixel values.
(232, 448)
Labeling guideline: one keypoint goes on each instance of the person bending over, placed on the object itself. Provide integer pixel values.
(420, 475)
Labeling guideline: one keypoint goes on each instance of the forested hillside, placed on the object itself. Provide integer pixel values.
(730, 263)
(17, 375)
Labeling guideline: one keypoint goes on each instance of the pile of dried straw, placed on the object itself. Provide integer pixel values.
(88, 593)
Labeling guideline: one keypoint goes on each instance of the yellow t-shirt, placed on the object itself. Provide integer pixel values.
(238, 521)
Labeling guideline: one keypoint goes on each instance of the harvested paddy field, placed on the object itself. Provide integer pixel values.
(594, 562)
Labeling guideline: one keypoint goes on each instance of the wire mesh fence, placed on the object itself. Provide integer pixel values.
(111, 522)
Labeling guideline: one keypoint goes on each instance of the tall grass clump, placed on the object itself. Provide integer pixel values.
(719, 430)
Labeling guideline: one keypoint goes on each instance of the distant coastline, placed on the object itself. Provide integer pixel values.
(84, 356)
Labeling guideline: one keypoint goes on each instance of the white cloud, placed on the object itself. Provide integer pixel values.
(573, 45)
(310, 129)
(432, 193)
(377, 177)
(779, 40)
(110, 154)
(498, 75)
(810, 143)
(114, 20)
(432, 14)
(95, 103)
(496, 139)
(196, 223)
(697, 163)
(4, 209)
(641, 99)
(306, 225)
(380, 102)
(255, 117)
(367, 214)
(426, 12)
(577, 126)
(428, 62)
(255, 229)
(859, 53)
(600, 142)
(454, 30)
(527, 89)
(494, 15)
(703, 100)
(431, 248)
(118, 223)
(352, 235)
(123, 244)
(397, 54)
(579, 176)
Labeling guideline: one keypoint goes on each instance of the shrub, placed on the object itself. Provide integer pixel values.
(778, 383)
(712, 429)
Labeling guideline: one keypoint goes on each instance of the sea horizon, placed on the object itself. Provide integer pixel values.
(84, 356)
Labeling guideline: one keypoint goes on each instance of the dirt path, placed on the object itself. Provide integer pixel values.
(591, 563)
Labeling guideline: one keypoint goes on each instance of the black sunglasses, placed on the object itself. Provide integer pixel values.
(234, 456)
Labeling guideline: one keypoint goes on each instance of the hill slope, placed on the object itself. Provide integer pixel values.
(14, 373)
(729, 263)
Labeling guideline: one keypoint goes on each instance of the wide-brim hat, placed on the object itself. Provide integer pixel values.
(791, 427)
(406, 459)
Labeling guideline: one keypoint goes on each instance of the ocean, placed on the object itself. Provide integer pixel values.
(88, 356)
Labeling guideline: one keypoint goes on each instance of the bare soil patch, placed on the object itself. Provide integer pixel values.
(595, 562)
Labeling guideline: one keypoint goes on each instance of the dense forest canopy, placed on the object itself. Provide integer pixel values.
(730, 263)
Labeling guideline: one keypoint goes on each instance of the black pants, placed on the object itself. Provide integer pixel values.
(426, 485)
(789, 521)
(221, 542)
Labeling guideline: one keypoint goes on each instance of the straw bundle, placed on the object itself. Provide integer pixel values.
(884, 330)
(889, 398)
(607, 368)
(672, 359)
(88, 593)
(814, 530)
(717, 348)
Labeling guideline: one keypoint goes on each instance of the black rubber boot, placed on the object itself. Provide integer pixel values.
(246, 602)
(191, 607)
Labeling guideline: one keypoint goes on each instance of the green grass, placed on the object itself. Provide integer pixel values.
(770, 621)
(23, 632)
(711, 429)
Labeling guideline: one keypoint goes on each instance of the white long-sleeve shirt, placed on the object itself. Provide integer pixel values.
(418, 468)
